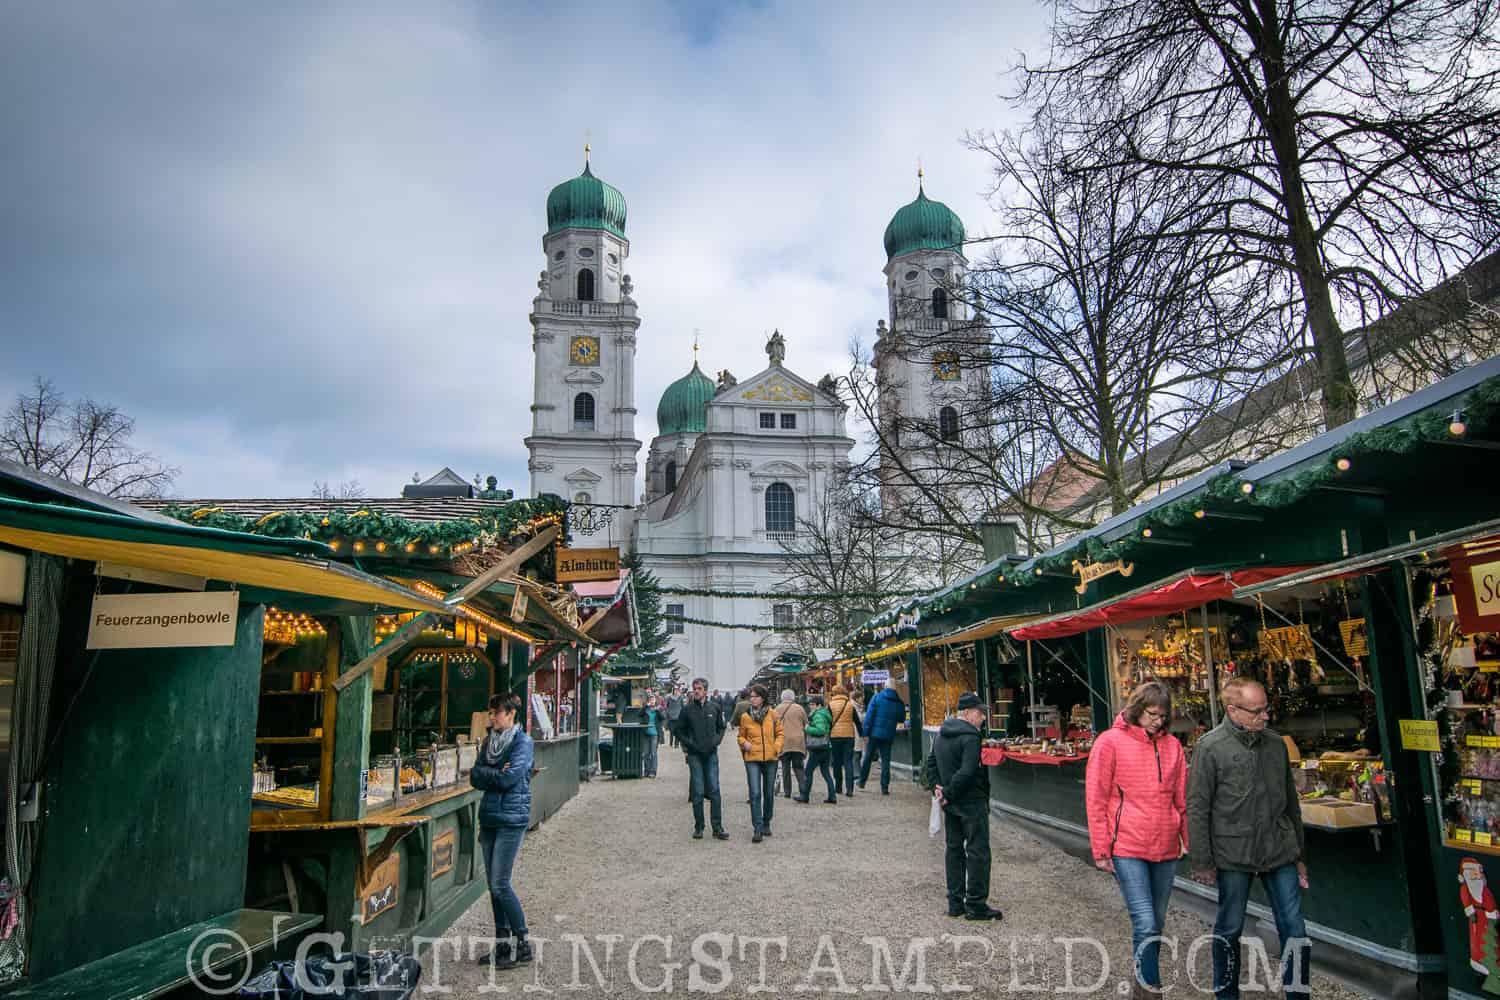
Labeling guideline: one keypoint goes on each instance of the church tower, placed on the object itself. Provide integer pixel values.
(582, 444)
(927, 361)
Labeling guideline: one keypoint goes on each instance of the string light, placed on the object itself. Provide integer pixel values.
(290, 626)
(1457, 427)
(1343, 465)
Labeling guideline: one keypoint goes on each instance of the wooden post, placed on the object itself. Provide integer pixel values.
(1208, 661)
(330, 717)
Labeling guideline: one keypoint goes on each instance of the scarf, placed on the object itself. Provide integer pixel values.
(757, 714)
(496, 744)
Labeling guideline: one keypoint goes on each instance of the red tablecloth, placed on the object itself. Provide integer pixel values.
(992, 756)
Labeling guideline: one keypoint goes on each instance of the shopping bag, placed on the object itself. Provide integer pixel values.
(935, 820)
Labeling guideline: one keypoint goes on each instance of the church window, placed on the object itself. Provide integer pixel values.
(783, 617)
(583, 412)
(674, 613)
(559, 255)
(911, 275)
(585, 252)
(582, 498)
(585, 285)
(768, 421)
(781, 510)
(938, 273)
(948, 424)
(939, 304)
(671, 476)
(789, 421)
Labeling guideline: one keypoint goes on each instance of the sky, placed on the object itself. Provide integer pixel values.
(299, 242)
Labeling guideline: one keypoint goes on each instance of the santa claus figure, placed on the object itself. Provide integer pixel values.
(1479, 908)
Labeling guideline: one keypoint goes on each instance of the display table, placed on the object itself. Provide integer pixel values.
(994, 756)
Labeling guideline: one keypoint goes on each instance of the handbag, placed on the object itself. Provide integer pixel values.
(819, 742)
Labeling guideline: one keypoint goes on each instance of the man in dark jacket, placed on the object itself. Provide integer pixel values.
(1245, 820)
(963, 788)
(885, 713)
(700, 728)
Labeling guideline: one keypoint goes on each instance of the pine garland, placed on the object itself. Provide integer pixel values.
(791, 595)
(712, 624)
(1481, 408)
(356, 523)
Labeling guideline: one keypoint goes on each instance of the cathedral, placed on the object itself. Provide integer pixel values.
(736, 465)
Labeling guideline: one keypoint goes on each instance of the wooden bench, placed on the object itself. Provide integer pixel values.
(160, 965)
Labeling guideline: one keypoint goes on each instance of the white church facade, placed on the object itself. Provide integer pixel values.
(735, 467)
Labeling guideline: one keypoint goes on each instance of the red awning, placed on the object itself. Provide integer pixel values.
(1186, 591)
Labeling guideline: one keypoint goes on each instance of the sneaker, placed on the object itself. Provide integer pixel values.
(988, 913)
(697, 834)
(521, 956)
(720, 835)
(755, 838)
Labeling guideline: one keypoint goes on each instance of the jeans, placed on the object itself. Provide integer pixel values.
(761, 776)
(873, 747)
(1285, 896)
(1147, 888)
(648, 764)
(791, 767)
(966, 863)
(703, 778)
(499, 846)
(843, 763)
(818, 759)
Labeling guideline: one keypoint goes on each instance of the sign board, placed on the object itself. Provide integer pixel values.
(1476, 591)
(381, 892)
(874, 676)
(518, 606)
(146, 621)
(583, 565)
(442, 853)
(1089, 572)
(1419, 734)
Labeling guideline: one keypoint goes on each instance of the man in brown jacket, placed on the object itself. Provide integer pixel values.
(794, 740)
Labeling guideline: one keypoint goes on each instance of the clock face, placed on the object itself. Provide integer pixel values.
(945, 367)
(584, 351)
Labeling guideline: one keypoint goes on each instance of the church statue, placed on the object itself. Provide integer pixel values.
(626, 287)
(828, 386)
(776, 348)
(541, 282)
(726, 380)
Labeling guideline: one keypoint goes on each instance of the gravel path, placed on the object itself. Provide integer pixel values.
(618, 860)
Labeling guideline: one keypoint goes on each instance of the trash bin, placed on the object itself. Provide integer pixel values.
(381, 975)
(606, 757)
(630, 749)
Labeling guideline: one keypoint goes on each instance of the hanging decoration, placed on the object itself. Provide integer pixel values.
(791, 595)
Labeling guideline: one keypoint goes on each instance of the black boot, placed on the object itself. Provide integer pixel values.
(520, 955)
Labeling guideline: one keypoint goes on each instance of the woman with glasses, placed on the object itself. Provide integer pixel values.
(1136, 794)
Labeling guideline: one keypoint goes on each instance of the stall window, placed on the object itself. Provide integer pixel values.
(675, 625)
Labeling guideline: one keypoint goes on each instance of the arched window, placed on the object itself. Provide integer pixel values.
(939, 303)
(582, 498)
(583, 412)
(948, 424)
(671, 476)
(781, 509)
(585, 284)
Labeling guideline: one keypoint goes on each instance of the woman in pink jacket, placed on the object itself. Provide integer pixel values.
(1137, 783)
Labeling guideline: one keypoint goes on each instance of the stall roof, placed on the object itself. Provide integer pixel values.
(1373, 561)
(1186, 590)
(982, 630)
(277, 564)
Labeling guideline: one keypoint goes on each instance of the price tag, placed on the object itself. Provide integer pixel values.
(1463, 836)
(1482, 839)
(1474, 785)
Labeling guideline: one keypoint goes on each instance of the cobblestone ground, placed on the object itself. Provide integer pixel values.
(832, 885)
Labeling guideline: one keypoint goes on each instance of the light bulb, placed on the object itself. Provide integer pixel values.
(1343, 465)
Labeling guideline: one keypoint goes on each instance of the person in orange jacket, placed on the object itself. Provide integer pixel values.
(761, 740)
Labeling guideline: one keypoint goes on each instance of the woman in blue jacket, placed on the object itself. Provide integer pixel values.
(503, 773)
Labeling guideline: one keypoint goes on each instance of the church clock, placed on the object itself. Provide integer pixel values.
(584, 351)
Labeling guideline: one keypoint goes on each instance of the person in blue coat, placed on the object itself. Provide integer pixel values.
(885, 713)
(503, 772)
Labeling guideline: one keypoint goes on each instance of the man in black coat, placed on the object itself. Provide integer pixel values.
(700, 728)
(963, 788)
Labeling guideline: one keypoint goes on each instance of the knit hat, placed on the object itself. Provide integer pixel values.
(968, 700)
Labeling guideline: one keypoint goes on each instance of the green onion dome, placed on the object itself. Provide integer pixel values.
(586, 202)
(683, 407)
(923, 225)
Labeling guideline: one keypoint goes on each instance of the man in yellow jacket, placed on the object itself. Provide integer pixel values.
(760, 744)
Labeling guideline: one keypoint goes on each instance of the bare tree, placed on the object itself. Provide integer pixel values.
(1353, 142)
(845, 561)
(84, 442)
(349, 489)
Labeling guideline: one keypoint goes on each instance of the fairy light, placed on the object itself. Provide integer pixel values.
(290, 626)
(1343, 465)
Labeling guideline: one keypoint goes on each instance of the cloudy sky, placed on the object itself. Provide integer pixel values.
(299, 242)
